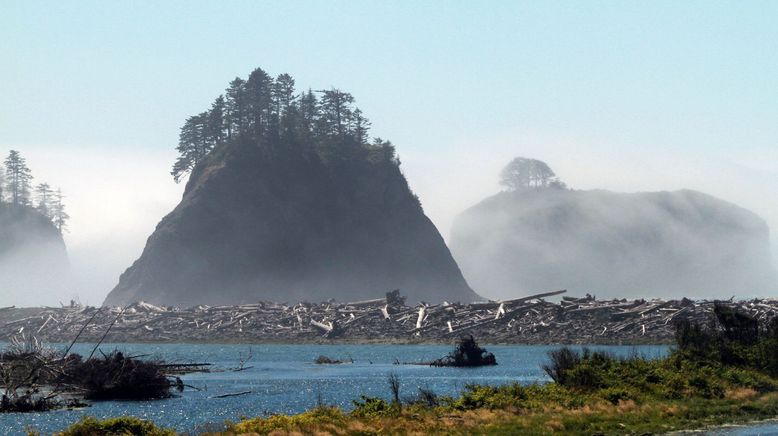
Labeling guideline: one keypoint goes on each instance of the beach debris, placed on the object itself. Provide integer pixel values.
(324, 360)
(34, 377)
(466, 353)
(530, 320)
(232, 394)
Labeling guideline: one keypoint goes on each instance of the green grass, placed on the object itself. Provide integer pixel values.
(603, 395)
(122, 426)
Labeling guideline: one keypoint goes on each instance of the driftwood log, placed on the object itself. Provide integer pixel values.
(529, 319)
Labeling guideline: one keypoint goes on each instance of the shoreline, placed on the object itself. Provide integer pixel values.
(527, 321)
(364, 342)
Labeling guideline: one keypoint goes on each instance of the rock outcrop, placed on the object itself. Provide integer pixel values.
(651, 244)
(33, 258)
(262, 223)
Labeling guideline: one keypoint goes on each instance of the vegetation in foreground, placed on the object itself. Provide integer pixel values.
(724, 372)
(124, 426)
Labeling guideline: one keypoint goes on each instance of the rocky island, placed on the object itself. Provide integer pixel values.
(539, 235)
(288, 200)
(33, 256)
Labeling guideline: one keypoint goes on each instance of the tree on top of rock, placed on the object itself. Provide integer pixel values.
(45, 196)
(270, 114)
(283, 93)
(58, 214)
(19, 178)
(193, 144)
(336, 112)
(16, 186)
(526, 173)
(236, 108)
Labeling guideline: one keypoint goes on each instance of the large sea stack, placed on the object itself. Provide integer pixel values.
(615, 245)
(33, 258)
(288, 201)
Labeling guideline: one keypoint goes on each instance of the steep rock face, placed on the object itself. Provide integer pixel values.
(681, 243)
(33, 258)
(288, 226)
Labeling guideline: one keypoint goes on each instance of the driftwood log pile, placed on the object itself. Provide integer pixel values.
(527, 320)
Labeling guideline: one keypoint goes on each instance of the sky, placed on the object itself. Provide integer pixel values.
(620, 95)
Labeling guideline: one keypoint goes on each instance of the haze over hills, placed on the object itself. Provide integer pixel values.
(288, 200)
(621, 245)
(33, 258)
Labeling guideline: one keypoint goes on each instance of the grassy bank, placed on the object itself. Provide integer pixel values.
(565, 413)
(593, 393)
(722, 373)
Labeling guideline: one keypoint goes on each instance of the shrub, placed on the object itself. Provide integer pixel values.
(493, 397)
(585, 376)
(370, 407)
(426, 397)
(394, 387)
(616, 394)
(562, 360)
(584, 370)
(126, 425)
(734, 338)
(307, 422)
(737, 327)
(476, 396)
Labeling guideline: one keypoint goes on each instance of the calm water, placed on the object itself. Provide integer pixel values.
(284, 379)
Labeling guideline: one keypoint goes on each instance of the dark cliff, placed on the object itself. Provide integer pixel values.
(666, 244)
(286, 224)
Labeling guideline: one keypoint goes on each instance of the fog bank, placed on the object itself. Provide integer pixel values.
(612, 245)
(117, 195)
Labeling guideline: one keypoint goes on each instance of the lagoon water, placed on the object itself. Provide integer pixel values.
(284, 379)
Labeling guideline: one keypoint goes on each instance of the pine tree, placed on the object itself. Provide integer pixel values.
(267, 113)
(283, 93)
(384, 151)
(59, 216)
(2, 184)
(360, 127)
(19, 179)
(309, 113)
(193, 145)
(335, 112)
(258, 92)
(236, 108)
(215, 130)
(44, 195)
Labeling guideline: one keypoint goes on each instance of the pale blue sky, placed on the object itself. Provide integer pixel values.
(623, 95)
(671, 74)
